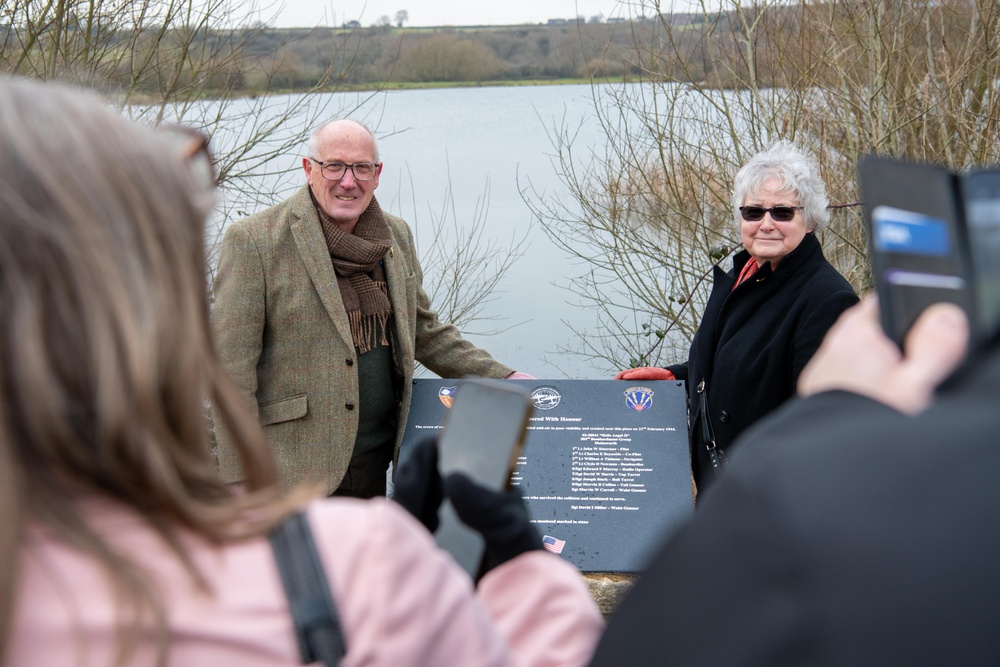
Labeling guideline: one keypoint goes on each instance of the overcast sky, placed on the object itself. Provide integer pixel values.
(310, 13)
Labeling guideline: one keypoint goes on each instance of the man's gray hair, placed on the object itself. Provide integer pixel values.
(312, 144)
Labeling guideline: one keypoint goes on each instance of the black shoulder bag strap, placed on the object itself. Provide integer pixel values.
(715, 454)
(313, 611)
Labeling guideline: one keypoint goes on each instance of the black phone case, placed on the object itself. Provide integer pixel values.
(917, 238)
(981, 199)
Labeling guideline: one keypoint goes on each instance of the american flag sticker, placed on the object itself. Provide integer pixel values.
(552, 544)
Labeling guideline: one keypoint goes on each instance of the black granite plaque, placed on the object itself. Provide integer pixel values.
(605, 469)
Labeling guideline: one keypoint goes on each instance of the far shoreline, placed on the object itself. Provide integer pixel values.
(425, 85)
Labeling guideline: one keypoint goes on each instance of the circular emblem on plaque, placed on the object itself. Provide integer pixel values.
(447, 396)
(545, 398)
(639, 398)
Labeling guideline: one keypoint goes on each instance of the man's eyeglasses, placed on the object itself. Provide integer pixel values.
(778, 213)
(334, 171)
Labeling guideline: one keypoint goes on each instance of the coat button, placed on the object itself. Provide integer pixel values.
(349, 361)
(349, 406)
(723, 416)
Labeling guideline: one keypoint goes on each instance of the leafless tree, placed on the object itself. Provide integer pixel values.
(457, 251)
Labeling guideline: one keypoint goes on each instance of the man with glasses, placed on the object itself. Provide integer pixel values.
(319, 316)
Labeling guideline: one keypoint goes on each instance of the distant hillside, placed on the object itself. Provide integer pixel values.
(300, 58)
(157, 62)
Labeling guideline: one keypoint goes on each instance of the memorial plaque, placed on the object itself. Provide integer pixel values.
(605, 469)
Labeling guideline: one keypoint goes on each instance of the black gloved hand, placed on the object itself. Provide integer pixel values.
(417, 484)
(500, 517)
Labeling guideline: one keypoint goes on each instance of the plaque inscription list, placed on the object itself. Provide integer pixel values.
(605, 470)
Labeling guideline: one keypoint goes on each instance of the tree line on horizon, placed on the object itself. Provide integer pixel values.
(384, 54)
(154, 49)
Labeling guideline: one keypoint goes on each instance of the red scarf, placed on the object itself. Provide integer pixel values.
(749, 269)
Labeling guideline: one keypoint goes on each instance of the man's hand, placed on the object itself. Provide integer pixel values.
(857, 356)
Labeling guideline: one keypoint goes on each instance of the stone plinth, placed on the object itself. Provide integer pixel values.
(608, 589)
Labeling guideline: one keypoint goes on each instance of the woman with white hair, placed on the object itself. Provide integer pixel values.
(767, 315)
(123, 546)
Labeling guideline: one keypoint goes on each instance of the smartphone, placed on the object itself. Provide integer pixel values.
(917, 238)
(483, 435)
(981, 194)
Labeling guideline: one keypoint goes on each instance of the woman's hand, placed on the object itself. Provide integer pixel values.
(857, 356)
(417, 485)
(645, 373)
(501, 517)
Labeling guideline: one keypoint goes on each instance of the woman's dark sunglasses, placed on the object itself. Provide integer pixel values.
(778, 213)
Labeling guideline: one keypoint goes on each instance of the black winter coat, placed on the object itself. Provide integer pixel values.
(753, 342)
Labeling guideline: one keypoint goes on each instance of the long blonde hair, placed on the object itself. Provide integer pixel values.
(106, 356)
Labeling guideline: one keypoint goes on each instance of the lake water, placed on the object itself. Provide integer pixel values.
(485, 146)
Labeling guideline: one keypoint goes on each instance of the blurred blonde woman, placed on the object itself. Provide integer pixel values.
(123, 547)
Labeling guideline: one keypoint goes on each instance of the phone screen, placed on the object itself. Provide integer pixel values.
(482, 438)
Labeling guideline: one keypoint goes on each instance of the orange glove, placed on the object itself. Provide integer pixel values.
(645, 373)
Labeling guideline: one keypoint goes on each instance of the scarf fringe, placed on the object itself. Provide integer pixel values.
(369, 331)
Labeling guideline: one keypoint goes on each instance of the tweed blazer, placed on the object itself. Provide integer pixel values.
(283, 334)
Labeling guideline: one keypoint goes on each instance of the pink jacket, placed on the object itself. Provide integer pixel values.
(401, 600)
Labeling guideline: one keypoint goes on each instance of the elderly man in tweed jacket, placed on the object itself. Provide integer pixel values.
(319, 315)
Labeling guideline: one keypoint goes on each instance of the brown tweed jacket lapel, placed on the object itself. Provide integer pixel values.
(397, 270)
(308, 235)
